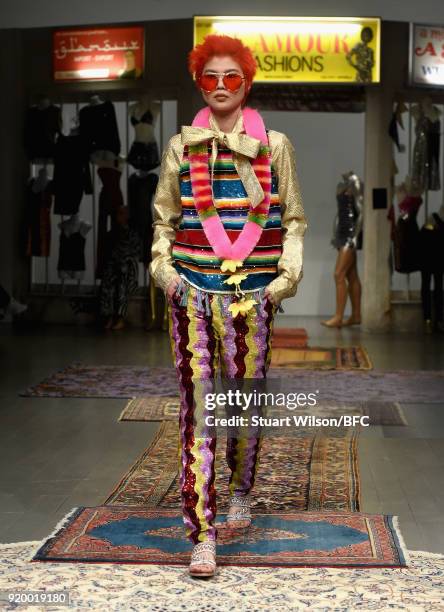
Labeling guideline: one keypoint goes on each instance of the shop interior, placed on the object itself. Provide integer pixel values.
(89, 401)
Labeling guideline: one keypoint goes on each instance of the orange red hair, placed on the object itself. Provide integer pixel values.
(217, 44)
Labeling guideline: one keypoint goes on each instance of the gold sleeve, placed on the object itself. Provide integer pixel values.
(167, 215)
(292, 218)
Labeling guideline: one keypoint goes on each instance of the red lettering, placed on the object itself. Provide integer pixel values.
(319, 45)
(280, 43)
(297, 43)
(343, 42)
(429, 48)
(263, 43)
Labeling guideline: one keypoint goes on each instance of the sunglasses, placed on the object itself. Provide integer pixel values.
(232, 81)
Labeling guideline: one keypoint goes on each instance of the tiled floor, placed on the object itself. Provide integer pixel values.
(56, 454)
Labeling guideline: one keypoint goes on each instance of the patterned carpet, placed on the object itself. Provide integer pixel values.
(126, 534)
(79, 380)
(289, 337)
(321, 473)
(167, 409)
(321, 358)
(111, 586)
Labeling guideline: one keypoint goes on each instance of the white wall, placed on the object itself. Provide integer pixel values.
(326, 144)
(28, 14)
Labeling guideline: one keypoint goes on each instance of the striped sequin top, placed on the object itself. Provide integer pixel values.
(193, 256)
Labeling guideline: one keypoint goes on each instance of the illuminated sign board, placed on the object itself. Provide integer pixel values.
(102, 54)
(304, 49)
(427, 55)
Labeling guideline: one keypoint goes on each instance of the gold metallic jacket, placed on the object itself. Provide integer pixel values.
(168, 213)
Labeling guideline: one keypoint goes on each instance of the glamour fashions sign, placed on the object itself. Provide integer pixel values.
(304, 50)
(98, 54)
(427, 55)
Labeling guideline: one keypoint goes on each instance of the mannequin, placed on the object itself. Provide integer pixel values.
(431, 242)
(425, 166)
(98, 130)
(71, 263)
(346, 240)
(144, 152)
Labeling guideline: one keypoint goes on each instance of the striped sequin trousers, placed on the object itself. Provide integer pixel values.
(205, 337)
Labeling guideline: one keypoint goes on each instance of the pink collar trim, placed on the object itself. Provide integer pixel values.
(253, 122)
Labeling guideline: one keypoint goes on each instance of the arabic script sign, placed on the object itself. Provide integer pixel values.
(98, 54)
(427, 55)
(304, 49)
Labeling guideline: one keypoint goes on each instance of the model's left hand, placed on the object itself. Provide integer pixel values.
(268, 294)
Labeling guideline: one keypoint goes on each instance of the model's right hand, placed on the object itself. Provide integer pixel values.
(171, 289)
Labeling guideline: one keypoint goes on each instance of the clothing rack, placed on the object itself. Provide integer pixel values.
(44, 277)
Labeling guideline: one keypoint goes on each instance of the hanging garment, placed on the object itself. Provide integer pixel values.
(98, 128)
(406, 236)
(110, 198)
(346, 221)
(72, 176)
(434, 137)
(144, 155)
(141, 190)
(202, 337)
(71, 262)
(425, 165)
(431, 246)
(144, 151)
(121, 270)
(38, 219)
(41, 128)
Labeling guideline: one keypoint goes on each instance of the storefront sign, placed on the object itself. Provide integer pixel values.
(427, 55)
(98, 54)
(304, 50)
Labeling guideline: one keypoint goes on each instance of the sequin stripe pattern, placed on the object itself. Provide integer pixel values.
(201, 185)
(201, 338)
(192, 253)
(253, 339)
(215, 232)
(194, 344)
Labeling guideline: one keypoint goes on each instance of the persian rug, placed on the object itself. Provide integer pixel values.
(110, 586)
(167, 409)
(289, 337)
(125, 534)
(319, 358)
(321, 473)
(120, 381)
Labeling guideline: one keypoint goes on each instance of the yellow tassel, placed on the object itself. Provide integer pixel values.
(235, 279)
(230, 265)
(241, 307)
